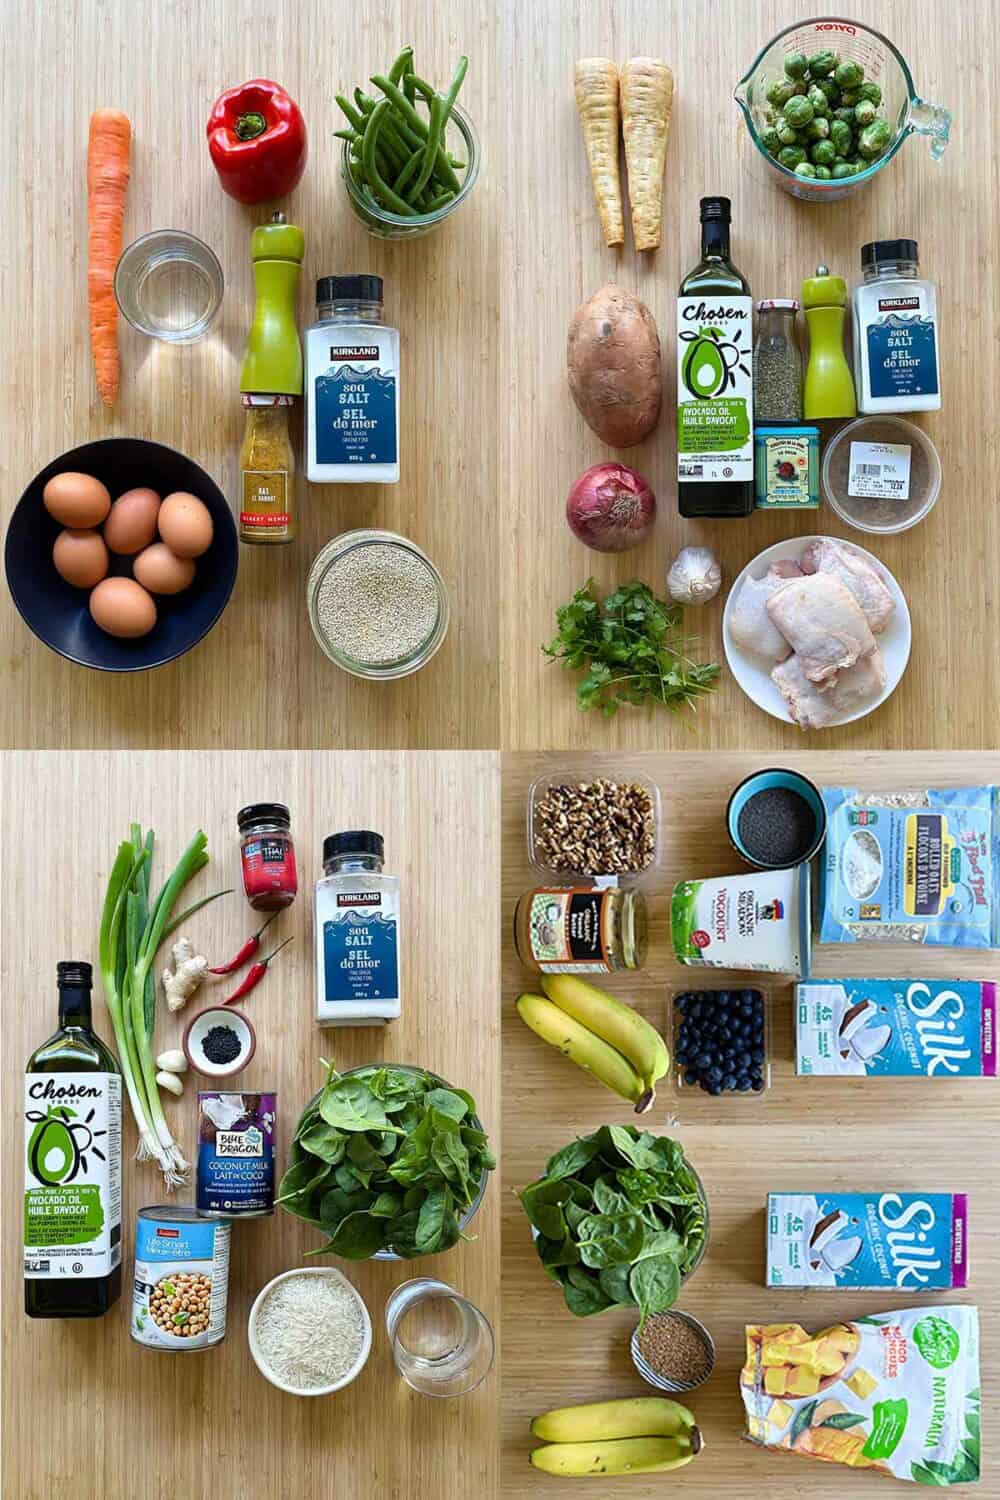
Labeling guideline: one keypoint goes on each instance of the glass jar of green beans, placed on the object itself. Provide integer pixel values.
(411, 156)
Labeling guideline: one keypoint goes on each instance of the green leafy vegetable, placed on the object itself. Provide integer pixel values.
(620, 1220)
(631, 648)
(388, 1159)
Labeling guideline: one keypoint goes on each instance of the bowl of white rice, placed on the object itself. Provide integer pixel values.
(309, 1330)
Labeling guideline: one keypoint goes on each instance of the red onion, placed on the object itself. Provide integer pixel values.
(610, 508)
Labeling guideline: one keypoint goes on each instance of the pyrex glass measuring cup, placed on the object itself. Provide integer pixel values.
(906, 112)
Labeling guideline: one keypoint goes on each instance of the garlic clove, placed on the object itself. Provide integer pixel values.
(172, 1061)
(171, 1082)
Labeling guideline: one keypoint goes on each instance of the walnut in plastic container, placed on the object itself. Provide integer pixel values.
(597, 827)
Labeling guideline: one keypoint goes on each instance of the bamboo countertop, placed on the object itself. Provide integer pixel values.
(808, 1132)
(87, 1411)
(259, 678)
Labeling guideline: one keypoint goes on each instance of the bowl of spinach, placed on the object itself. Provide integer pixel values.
(390, 1162)
(620, 1218)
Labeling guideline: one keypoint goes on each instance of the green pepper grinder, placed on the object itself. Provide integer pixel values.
(273, 360)
(829, 385)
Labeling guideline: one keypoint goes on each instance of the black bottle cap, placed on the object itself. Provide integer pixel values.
(716, 208)
(263, 812)
(883, 250)
(74, 974)
(358, 841)
(349, 289)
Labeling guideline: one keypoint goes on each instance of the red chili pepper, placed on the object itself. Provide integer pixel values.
(247, 951)
(257, 141)
(254, 975)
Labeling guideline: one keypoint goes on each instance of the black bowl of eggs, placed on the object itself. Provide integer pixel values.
(121, 555)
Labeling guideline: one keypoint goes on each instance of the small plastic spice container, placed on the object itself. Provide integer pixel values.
(581, 929)
(881, 474)
(546, 793)
(354, 593)
(267, 855)
(708, 1002)
(461, 140)
(683, 1349)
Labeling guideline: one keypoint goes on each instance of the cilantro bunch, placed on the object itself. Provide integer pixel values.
(632, 649)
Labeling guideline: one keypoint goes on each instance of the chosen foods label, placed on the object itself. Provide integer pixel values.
(72, 1174)
(714, 389)
(566, 931)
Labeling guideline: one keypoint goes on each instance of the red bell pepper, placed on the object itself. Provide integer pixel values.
(257, 141)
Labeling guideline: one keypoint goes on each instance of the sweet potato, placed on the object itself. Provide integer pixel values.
(613, 356)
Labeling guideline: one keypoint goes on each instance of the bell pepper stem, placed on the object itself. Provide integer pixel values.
(249, 126)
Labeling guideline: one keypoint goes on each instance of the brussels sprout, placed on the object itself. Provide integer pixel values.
(779, 93)
(859, 164)
(828, 87)
(870, 91)
(823, 173)
(841, 169)
(795, 64)
(842, 136)
(802, 87)
(799, 111)
(849, 75)
(822, 63)
(817, 130)
(874, 139)
(805, 169)
(864, 112)
(770, 140)
(849, 98)
(823, 153)
(791, 157)
(786, 132)
(818, 100)
(844, 114)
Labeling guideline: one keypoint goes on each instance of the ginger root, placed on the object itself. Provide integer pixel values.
(180, 983)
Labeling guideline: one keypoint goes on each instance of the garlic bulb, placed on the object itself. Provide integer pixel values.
(695, 576)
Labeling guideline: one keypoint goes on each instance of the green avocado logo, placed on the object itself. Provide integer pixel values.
(59, 1144)
(708, 368)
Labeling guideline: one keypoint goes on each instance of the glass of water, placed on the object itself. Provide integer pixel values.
(442, 1344)
(169, 285)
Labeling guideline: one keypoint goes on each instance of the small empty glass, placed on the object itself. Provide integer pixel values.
(442, 1344)
(169, 285)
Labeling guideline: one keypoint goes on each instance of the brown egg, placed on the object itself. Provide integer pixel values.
(123, 608)
(162, 571)
(132, 522)
(185, 524)
(76, 500)
(80, 557)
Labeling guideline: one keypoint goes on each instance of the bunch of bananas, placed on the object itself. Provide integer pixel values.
(643, 1435)
(600, 1034)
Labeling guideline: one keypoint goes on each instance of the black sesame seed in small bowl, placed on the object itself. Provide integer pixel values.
(721, 1041)
(776, 819)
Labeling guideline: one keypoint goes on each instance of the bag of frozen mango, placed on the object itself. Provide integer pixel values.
(897, 1392)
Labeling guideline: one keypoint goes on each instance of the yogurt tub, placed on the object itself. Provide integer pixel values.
(181, 1285)
(758, 922)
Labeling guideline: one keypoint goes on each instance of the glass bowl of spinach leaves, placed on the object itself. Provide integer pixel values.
(620, 1218)
(390, 1161)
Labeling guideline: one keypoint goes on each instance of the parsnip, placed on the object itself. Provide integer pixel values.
(595, 84)
(647, 96)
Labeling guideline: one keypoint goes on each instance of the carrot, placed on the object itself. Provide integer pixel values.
(595, 83)
(107, 180)
(647, 99)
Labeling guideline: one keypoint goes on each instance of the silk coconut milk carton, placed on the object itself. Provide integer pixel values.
(910, 1242)
(896, 1028)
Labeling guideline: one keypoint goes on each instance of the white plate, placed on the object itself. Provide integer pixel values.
(754, 675)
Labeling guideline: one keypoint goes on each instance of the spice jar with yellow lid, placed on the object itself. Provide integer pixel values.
(581, 929)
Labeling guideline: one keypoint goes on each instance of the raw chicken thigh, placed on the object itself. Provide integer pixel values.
(822, 621)
(813, 708)
(854, 571)
(750, 625)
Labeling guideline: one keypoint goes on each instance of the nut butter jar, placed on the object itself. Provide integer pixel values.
(581, 929)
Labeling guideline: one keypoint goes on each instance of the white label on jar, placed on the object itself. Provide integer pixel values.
(879, 471)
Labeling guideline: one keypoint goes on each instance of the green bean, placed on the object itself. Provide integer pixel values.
(403, 64)
(408, 87)
(456, 84)
(390, 199)
(416, 121)
(356, 119)
(408, 171)
(439, 201)
(347, 135)
(404, 143)
(430, 150)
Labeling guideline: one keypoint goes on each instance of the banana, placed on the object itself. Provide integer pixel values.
(615, 1023)
(637, 1455)
(576, 1042)
(596, 1421)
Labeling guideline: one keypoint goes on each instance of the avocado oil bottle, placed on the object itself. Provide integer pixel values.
(715, 469)
(72, 1164)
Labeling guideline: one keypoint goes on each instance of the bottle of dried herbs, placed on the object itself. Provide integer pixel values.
(777, 363)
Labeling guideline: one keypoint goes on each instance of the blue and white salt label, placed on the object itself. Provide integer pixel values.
(355, 408)
(902, 356)
(360, 951)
